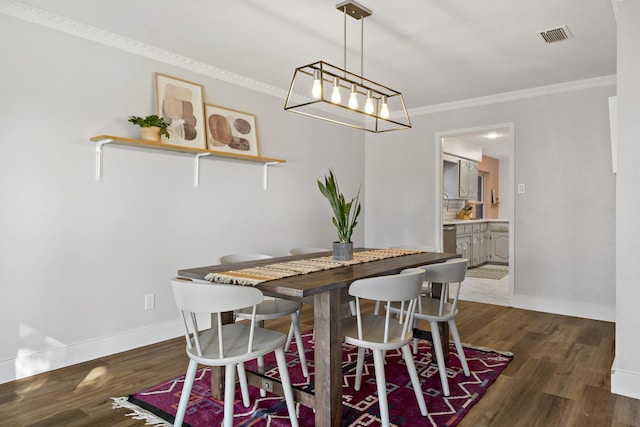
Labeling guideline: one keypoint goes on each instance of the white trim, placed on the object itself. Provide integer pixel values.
(515, 95)
(44, 361)
(602, 312)
(66, 25)
(625, 383)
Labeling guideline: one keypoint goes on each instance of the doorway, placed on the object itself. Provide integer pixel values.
(497, 142)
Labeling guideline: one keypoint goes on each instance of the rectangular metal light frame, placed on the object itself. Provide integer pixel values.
(301, 101)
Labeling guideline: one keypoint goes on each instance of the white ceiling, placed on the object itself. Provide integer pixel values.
(434, 51)
(497, 146)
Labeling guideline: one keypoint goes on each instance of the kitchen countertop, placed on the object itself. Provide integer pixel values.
(472, 221)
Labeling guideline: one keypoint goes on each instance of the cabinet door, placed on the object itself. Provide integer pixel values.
(500, 247)
(473, 180)
(464, 179)
(468, 179)
(476, 250)
(463, 247)
(485, 247)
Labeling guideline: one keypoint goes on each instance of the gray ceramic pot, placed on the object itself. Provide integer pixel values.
(342, 251)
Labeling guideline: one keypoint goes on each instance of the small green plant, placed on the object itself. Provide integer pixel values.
(151, 121)
(345, 219)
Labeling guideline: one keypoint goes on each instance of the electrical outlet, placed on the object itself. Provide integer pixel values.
(149, 301)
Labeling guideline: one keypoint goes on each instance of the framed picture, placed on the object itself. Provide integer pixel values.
(231, 131)
(179, 103)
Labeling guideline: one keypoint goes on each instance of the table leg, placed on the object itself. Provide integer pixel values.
(328, 358)
(217, 372)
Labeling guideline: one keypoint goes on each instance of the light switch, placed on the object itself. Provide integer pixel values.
(520, 188)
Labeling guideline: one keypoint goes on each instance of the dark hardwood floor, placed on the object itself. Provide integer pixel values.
(560, 376)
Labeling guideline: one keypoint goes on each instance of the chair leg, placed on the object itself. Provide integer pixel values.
(186, 392)
(295, 325)
(229, 392)
(244, 389)
(442, 368)
(381, 383)
(456, 339)
(359, 367)
(290, 335)
(417, 388)
(260, 361)
(286, 386)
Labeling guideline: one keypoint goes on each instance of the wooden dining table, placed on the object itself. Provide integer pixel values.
(327, 290)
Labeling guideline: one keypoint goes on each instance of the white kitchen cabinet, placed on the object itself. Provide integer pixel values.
(468, 179)
(499, 233)
(459, 177)
(464, 246)
(472, 242)
(484, 244)
(481, 242)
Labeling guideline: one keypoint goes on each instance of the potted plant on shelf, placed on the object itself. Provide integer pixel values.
(151, 127)
(345, 216)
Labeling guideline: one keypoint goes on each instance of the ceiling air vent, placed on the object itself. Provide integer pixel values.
(556, 34)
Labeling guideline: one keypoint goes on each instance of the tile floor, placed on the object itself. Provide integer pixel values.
(488, 291)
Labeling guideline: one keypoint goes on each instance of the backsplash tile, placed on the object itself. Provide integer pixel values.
(450, 208)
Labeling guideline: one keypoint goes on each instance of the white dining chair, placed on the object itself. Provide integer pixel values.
(272, 309)
(229, 345)
(426, 286)
(381, 333)
(442, 309)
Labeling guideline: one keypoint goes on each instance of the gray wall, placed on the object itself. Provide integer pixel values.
(78, 256)
(565, 222)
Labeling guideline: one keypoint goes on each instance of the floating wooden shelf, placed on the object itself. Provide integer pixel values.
(101, 140)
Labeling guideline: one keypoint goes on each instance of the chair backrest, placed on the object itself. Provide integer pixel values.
(231, 258)
(194, 297)
(304, 251)
(452, 271)
(403, 288)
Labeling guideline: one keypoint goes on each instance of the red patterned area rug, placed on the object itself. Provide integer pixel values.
(157, 405)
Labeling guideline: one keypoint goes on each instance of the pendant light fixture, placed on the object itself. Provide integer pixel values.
(316, 90)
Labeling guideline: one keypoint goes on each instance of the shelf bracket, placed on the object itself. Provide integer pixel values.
(99, 145)
(196, 168)
(264, 174)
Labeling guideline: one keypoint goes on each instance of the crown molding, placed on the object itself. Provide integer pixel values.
(516, 95)
(66, 25)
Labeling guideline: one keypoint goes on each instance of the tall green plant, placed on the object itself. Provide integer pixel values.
(344, 218)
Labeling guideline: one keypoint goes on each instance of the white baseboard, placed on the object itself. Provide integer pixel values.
(568, 308)
(27, 365)
(625, 383)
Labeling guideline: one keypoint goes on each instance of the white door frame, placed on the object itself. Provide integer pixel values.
(438, 190)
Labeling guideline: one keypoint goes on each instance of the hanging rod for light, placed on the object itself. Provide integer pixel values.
(317, 90)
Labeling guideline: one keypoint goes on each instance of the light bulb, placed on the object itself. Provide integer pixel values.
(353, 100)
(336, 98)
(384, 108)
(316, 90)
(368, 105)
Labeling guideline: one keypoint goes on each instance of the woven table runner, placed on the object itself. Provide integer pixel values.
(254, 275)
